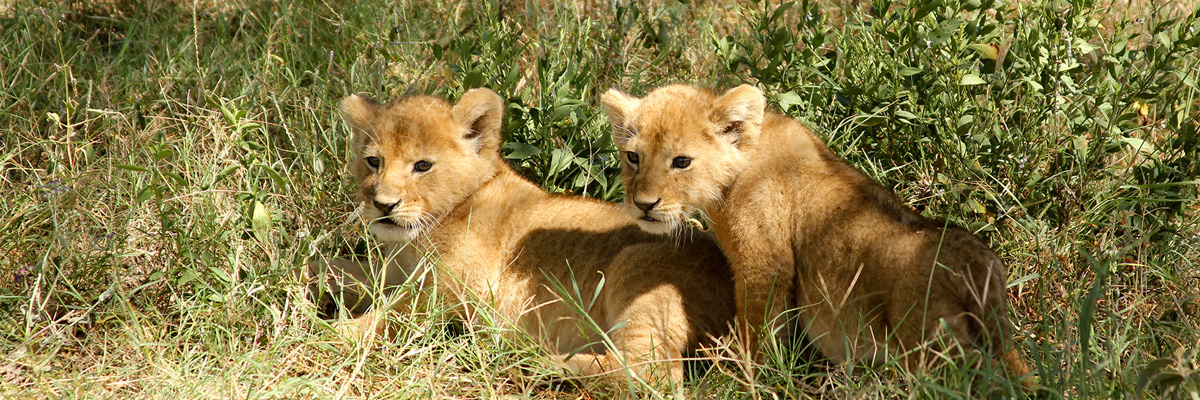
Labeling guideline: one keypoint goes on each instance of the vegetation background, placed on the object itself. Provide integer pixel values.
(168, 165)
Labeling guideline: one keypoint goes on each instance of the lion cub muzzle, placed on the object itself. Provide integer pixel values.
(646, 206)
(388, 216)
(387, 201)
(386, 208)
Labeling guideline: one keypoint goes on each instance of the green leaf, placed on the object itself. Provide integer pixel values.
(927, 8)
(220, 274)
(274, 175)
(869, 120)
(986, 51)
(1150, 372)
(230, 116)
(964, 124)
(179, 180)
(1069, 66)
(1083, 46)
(789, 99)
(162, 154)
(971, 80)
(909, 71)
(260, 220)
(225, 172)
(473, 80)
(186, 276)
(782, 9)
(132, 167)
(146, 193)
(1037, 87)
(978, 227)
(560, 159)
(965, 120)
(1080, 143)
(245, 126)
(1138, 145)
(1015, 282)
(1163, 39)
(976, 207)
(561, 114)
(581, 180)
(520, 151)
(944, 32)
(253, 146)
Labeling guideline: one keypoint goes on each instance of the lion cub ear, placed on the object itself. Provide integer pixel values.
(622, 111)
(481, 111)
(739, 112)
(359, 112)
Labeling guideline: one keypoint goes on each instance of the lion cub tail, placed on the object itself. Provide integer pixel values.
(1017, 368)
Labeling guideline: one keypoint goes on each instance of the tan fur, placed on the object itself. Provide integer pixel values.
(501, 242)
(804, 229)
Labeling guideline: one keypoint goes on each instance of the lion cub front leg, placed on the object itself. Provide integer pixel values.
(361, 286)
(337, 283)
(335, 280)
(374, 323)
(764, 290)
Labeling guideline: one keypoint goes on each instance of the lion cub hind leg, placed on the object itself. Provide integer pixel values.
(964, 312)
(647, 319)
(649, 339)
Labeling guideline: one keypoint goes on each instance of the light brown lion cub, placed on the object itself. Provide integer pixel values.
(804, 229)
(431, 175)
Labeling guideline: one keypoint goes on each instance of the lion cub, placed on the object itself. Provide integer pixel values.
(805, 230)
(430, 175)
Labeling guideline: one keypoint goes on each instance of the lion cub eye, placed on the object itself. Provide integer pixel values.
(681, 162)
(422, 166)
(374, 162)
(632, 157)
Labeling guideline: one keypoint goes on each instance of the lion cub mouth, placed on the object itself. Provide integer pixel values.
(648, 218)
(389, 222)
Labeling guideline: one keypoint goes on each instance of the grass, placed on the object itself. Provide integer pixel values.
(167, 166)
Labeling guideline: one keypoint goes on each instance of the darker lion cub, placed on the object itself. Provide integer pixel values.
(432, 181)
(805, 230)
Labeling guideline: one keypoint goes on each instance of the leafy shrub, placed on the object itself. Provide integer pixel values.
(967, 95)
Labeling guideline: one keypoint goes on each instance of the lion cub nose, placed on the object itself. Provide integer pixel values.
(385, 207)
(646, 206)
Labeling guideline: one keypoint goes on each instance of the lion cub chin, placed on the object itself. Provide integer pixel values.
(430, 175)
(806, 231)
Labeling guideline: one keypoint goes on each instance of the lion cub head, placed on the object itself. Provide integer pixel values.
(682, 146)
(418, 157)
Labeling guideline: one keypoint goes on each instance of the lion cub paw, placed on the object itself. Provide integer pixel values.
(360, 329)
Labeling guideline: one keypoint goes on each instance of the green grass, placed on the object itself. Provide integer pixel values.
(168, 166)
